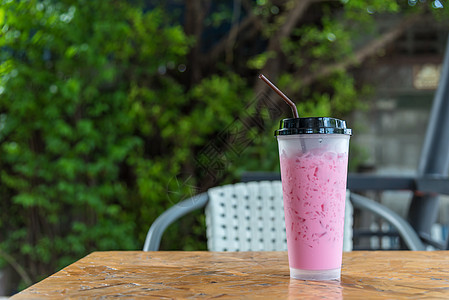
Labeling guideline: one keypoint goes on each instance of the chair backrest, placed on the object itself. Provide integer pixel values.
(250, 217)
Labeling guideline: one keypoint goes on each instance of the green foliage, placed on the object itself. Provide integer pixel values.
(78, 110)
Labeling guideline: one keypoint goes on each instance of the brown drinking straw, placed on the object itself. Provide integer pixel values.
(283, 96)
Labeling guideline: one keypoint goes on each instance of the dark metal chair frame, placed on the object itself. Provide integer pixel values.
(154, 235)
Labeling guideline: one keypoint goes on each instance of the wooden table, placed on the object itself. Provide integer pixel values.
(163, 275)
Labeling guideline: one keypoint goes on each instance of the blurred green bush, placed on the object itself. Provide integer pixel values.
(88, 127)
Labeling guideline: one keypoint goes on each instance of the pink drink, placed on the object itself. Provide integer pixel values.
(314, 161)
(314, 192)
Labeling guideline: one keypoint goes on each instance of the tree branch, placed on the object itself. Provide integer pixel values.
(294, 15)
(250, 21)
(232, 37)
(17, 267)
(363, 53)
(272, 66)
(195, 13)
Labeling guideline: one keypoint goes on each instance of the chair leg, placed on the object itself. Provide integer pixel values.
(410, 237)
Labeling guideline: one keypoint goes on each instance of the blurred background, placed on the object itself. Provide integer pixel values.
(113, 111)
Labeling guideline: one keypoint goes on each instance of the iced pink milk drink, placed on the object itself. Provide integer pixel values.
(314, 158)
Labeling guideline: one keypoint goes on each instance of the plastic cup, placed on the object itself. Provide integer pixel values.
(314, 161)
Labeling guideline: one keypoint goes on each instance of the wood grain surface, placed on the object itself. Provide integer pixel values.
(167, 275)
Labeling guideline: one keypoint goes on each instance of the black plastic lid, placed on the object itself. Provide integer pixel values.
(321, 125)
